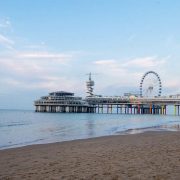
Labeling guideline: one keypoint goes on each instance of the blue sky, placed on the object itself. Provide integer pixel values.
(50, 45)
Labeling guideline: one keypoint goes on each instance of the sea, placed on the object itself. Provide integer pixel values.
(26, 127)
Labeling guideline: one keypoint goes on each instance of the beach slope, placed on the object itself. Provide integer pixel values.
(150, 155)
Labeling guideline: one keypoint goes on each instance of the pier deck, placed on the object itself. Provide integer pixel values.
(127, 105)
(119, 105)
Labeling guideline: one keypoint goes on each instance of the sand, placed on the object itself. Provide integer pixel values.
(150, 155)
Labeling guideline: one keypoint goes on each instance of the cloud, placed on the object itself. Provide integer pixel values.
(52, 71)
(119, 73)
(35, 67)
(113, 74)
(53, 83)
(140, 62)
(37, 70)
(28, 63)
(106, 62)
(44, 56)
(39, 46)
(144, 62)
(48, 83)
(6, 42)
(27, 68)
(16, 67)
(5, 23)
(173, 83)
(10, 82)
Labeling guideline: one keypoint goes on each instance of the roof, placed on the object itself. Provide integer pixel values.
(61, 93)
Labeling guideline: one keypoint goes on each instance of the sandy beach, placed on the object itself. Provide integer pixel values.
(150, 155)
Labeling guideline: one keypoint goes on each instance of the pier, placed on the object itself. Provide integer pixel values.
(66, 102)
(129, 105)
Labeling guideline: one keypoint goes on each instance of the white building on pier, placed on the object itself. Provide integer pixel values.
(62, 101)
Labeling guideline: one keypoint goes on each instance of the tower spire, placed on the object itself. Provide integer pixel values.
(89, 86)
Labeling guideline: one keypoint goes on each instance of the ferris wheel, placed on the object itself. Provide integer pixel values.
(150, 85)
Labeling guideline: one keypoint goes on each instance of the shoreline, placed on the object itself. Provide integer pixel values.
(175, 127)
(164, 128)
(148, 155)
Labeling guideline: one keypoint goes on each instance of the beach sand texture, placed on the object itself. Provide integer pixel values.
(150, 155)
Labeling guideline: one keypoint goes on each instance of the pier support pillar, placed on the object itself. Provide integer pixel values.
(111, 108)
(150, 109)
(175, 110)
(102, 109)
(165, 110)
(138, 111)
(107, 109)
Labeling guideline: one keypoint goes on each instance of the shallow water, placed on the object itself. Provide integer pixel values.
(20, 128)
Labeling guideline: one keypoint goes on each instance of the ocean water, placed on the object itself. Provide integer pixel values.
(21, 128)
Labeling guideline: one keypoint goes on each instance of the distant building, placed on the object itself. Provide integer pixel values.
(131, 94)
(61, 101)
(175, 96)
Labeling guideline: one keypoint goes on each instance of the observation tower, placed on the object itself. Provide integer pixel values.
(89, 86)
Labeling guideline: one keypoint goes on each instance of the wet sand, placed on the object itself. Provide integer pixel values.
(150, 155)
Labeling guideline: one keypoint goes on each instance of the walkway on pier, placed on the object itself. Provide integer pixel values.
(126, 105)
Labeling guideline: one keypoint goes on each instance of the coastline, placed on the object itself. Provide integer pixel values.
(173, 126)
(148, 155)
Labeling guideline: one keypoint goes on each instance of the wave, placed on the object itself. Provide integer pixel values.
(164, 127)
(12, 125)
(8, 146)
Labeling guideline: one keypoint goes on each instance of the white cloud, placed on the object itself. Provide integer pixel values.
(53, 83)
(141, 62)
(48, 70)
(112, 73)
(5, 28)
(106, 62)
(14, 66)
(144, 62)
(10, 81)
(173, 83)
(31, 63)
(118, 73)
(5, 23)
(43, 55)
(39, 46)
(48, 83)
(109, 64)
(37, 70)
(6, 42)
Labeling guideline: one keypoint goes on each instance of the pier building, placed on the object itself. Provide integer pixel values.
(64, 102)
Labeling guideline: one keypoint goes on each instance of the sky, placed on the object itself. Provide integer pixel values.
(50, 45)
